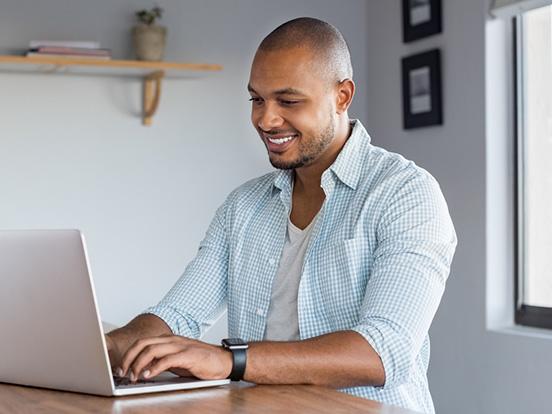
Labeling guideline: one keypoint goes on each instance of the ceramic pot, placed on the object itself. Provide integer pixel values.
(149, 41)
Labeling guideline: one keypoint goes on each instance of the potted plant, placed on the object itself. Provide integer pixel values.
(149, 38)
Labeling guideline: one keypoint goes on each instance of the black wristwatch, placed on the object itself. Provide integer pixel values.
(238, 347)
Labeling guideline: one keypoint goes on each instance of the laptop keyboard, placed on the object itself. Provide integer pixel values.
(122, 381)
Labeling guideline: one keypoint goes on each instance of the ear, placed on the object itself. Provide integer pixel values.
(345, 93)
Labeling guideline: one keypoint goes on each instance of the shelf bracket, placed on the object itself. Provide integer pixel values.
(151, 95)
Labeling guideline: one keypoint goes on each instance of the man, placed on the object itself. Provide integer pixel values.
(332, 267)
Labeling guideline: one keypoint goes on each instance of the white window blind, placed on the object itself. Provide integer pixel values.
(510, 8)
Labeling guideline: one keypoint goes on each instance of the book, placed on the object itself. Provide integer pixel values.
(33, 44)
(70, 50)
(34, 55)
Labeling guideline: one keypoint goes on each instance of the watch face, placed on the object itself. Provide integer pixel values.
(234, 343)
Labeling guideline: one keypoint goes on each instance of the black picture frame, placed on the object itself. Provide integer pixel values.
(421, 90)
(421, 18)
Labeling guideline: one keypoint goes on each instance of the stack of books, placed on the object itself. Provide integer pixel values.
(67, 49)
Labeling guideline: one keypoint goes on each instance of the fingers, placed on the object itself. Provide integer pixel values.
(149, 355)
(146, 353)
(135, 350)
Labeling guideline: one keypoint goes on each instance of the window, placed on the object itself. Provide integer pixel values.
(533, 45)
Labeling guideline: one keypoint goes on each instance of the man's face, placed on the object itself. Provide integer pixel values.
(293, 106)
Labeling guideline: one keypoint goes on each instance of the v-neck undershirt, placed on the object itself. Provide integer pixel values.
(282, 319)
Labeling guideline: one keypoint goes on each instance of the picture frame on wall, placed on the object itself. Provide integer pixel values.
(421, 90)
(421, 18)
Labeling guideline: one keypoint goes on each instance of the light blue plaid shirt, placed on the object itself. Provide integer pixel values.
(377, 263)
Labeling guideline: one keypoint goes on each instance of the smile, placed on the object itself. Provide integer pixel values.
(280, 141)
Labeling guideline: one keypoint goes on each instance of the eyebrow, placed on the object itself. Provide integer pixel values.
(284, 91)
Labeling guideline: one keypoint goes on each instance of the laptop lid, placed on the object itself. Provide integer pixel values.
(51, 332)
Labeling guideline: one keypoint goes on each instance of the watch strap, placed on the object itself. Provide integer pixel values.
(239, 360)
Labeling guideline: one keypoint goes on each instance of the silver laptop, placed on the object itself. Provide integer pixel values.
(51, 331)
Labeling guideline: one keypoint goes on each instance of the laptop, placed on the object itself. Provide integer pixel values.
(52, 334)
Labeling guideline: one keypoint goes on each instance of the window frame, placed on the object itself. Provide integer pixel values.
(527, 315)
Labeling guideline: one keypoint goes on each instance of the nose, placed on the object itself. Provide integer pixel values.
(268, 117)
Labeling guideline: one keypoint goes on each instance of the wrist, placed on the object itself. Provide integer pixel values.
(227, 363)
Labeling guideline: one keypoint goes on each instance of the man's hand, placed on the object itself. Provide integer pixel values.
(149, 357)
(119, 340)
(115, 355)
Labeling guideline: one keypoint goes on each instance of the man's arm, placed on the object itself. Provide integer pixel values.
(340, 359)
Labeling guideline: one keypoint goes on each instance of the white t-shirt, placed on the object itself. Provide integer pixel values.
(282, 321)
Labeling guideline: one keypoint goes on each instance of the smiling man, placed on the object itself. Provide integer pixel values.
(332, 267)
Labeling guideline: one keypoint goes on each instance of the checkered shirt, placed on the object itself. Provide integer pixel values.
(377, 264)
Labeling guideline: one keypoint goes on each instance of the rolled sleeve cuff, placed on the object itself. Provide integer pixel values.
(395, 357)
(175, 320)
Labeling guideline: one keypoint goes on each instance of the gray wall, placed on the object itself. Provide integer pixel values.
(73, 153)
(475, 367)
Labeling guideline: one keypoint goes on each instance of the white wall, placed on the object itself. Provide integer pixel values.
(74, 154)
(474, 368)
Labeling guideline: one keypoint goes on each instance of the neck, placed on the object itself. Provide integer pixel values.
(307, 178)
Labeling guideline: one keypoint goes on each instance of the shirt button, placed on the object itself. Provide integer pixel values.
(260, 312)
(271, 262)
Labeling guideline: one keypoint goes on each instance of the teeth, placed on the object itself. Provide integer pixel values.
(280, 141)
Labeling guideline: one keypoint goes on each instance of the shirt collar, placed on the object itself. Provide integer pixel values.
(283, 178)
(348, 164)
(346, 167)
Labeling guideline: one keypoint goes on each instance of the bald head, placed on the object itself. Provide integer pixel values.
(324, 41)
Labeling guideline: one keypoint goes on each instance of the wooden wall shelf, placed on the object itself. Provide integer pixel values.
(151, 73)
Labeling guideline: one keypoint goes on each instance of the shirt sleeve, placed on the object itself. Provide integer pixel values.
(200, 293)
(416, 243)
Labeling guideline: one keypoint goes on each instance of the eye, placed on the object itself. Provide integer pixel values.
(255, 100)
(288, 103)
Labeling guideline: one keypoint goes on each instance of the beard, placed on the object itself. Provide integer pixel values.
(308, 151)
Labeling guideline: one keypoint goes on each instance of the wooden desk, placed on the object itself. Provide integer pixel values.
(240, 398)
